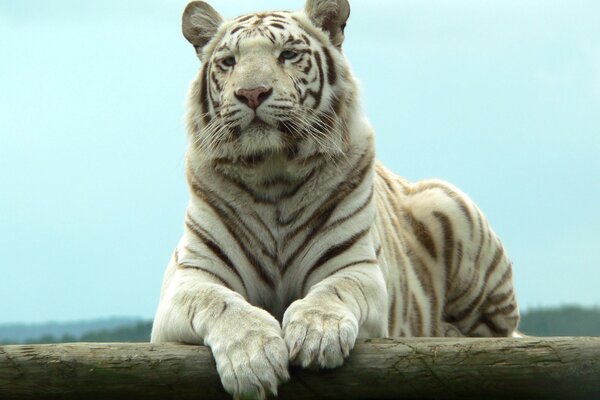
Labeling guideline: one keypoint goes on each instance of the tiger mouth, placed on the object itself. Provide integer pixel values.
(259, 125)
(259, 122)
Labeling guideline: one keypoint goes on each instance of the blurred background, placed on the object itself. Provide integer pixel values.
(499, 97)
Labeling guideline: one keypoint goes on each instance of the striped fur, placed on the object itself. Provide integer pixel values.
(297, 241)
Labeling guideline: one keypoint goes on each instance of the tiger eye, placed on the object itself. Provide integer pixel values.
(288, 55)
(229, 61)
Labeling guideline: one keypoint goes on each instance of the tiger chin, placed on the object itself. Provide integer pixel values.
(296, 240)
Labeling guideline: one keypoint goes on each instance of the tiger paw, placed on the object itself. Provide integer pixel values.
(251, 356)
(318, 334)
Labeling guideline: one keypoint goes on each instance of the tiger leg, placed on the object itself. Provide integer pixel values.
(482, 300)
(473, 272)
(321, 328)
(246, 341)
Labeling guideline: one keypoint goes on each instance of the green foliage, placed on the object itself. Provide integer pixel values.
(139, 332)
(50, 332)
(562, 321)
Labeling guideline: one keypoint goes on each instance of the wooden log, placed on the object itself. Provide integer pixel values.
(415, 368)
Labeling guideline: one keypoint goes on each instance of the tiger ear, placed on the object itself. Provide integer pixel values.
(331, 16)
(200, 23)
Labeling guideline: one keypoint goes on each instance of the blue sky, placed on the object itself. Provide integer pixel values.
(500, 97)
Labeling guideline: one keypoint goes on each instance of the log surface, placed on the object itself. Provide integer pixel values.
(415, 368)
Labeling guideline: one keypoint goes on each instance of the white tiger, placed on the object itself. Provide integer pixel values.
(297, 242)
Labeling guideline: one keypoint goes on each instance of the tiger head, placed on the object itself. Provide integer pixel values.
(271, 82)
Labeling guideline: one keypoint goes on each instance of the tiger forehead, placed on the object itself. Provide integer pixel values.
(257, 41)
(267, 23)
(266, 28)
(258, 18)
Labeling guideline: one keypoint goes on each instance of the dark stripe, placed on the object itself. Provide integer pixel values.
(352, 264)
(258, 267)
(319, 94)
(318, 220)
(253, 159)
(204, 270)
(316, 95)
(288, 194)
(232, 113)
(236, 29)
(333, 252)
(279, 20)
(279, 107)
(422, 234)
(482, 239)
(286, 127)
(215, 202)
(475, 275)
(466, 290)
(215, 101)
(506, 276)
(232, 224)
(458, 199)
(277, 25)
(498, 255)
(291, 218)
(448, 232)
(197, 254)
(406, 291)
(292, 152)
(424, 277)
(499, 298)
(417, 318)
(204, 94)
(214, 248)
(325, 123)
(470, 308)
(506, 310)
(338, 295)
(293, 41)
(270, 35)
(308, 68)
(275, 181)
(383, 175)
(256, 197)
(392, 315)
(244, 18)
(336, 104)
(339, 221)
(331, 72)
(492, 326)
(452, 278)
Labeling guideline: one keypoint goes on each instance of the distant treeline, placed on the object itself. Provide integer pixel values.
(561, 321)
(133, 332)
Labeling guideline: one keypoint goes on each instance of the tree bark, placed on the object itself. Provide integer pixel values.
(415, 368)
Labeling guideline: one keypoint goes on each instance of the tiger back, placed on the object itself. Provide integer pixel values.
(296, 240)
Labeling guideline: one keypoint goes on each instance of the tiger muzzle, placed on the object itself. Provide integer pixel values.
(254, 97)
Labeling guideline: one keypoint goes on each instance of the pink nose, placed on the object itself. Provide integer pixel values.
(253, 97)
